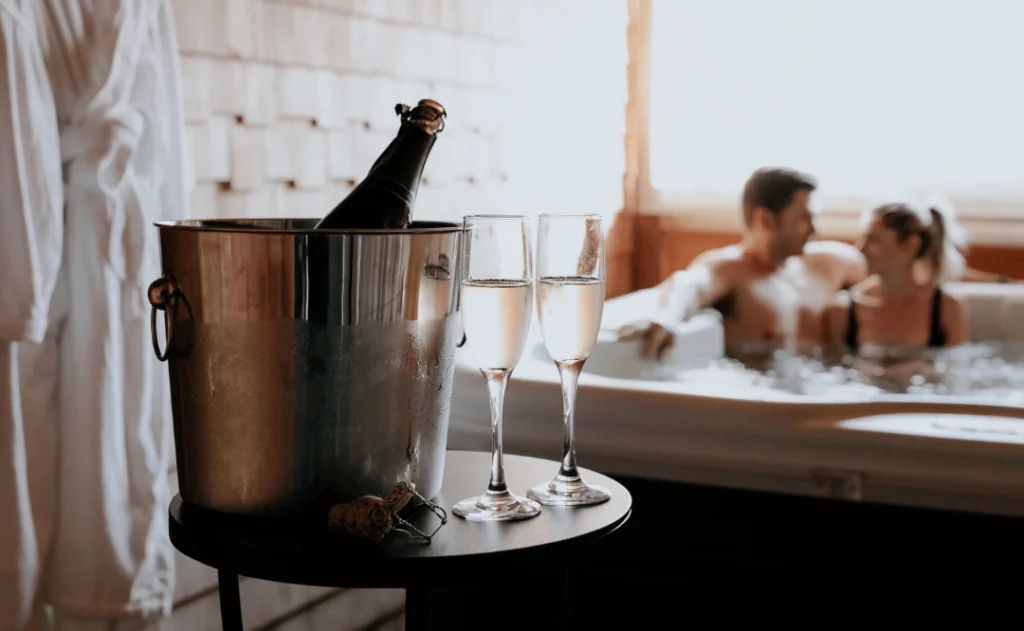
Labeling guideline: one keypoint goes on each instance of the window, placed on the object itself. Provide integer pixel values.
(873, 98)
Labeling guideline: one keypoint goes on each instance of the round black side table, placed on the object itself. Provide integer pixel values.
(462, 554)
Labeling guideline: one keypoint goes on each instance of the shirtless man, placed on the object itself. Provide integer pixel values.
(773, 285)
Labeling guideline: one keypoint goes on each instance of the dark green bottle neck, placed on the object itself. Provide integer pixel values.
(386, 196)
(400, 167)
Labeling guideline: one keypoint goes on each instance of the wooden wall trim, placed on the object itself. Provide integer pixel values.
(638, 71)
(664, 245)
(638, 43)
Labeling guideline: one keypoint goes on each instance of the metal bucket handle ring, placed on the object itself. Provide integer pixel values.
(163, 295)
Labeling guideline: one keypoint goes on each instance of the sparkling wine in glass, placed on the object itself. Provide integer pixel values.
(570, 303)
(496, 305)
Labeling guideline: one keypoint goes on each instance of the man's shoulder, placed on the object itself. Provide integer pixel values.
(728, 256)
(712, 267)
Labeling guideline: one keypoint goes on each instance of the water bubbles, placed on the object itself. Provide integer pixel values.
(989, 373)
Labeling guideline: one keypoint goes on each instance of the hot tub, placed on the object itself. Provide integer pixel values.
(913, 450)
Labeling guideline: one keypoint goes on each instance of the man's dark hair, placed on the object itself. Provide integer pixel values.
(773, 189)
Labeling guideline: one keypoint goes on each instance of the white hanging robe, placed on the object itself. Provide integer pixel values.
(113, 65)
(31, 242)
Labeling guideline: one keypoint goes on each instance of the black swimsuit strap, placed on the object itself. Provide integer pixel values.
(936, 335)
(852, 332)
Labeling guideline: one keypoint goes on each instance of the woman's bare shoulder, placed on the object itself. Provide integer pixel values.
(953, 319)
(952, 305)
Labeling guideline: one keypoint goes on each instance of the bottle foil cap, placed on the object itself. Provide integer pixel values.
(428, 115)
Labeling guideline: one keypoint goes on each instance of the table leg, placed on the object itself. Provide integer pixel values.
(230, 601)
(417, 608)
(566, 600)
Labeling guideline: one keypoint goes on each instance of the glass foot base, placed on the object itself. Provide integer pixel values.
(496, 507)
(565, 491)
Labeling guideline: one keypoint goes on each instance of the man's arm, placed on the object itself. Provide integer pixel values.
(972, 275)
(841, 262)
(700, 285)
(835, 320)
(684, 293)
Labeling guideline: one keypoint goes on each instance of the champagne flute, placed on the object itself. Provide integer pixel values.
(497, 302)
(570, 303)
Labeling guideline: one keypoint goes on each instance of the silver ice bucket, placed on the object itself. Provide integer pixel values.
(306, 367)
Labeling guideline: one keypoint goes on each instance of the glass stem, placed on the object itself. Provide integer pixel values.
(570, 374)
(497, 380)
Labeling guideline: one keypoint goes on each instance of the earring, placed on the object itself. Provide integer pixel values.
(921, 272)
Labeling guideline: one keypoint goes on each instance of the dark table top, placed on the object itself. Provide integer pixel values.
(281, 550)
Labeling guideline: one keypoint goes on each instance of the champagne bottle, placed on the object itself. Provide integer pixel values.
(386, 196)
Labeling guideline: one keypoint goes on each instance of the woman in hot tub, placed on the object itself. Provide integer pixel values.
(909, 251)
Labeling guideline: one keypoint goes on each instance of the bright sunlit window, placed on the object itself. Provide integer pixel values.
(869, 96)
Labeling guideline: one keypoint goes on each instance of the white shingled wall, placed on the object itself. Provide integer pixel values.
(288, 102)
